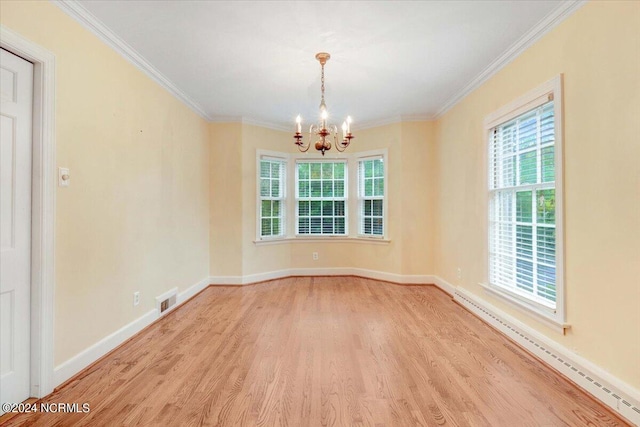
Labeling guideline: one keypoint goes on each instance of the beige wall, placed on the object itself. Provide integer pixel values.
(598, 51)
(411, 191)
(136, 216)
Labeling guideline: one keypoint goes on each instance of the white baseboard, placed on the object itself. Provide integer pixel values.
(338, 271)
(192, 291)
(80, 361)
(605, 387)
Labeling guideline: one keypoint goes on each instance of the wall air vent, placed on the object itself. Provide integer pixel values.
(167, 301)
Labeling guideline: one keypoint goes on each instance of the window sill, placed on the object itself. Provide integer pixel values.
(537, 311)
(323, 239)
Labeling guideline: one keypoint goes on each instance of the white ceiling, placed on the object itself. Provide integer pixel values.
(389, 59)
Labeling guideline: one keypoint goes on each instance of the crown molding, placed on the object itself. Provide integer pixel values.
(559, 14)
(269, 125)
(225, 119)
(78, 12)
(90, 22)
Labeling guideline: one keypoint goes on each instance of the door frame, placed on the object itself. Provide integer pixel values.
(43, 194)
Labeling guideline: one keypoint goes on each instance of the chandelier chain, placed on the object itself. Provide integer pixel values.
(322, 84)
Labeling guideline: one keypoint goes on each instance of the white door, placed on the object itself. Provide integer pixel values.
(15, 226)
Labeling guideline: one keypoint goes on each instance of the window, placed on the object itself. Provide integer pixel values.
(321, 198)
(272, 196)
(525, 239)
(371, 196)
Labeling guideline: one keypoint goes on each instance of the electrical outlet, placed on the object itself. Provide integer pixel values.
(136, 298)
(315, 256)
(459, 273)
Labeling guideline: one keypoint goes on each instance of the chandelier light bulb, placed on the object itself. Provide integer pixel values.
(298, 123)
(344, 130)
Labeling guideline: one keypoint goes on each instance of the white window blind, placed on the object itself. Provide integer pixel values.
(321, 198)
(522, 216)
(371, 196)
(272, 197)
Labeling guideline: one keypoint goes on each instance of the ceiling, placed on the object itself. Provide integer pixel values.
(254, 60)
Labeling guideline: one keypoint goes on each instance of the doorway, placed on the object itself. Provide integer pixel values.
(16, 96)
(39, 330)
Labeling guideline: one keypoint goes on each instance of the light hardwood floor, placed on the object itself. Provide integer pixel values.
(322, 351)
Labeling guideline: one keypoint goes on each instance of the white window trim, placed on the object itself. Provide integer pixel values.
(271, 155)
(527, 102)
(290, 203)
(370, 155)
(346, 197)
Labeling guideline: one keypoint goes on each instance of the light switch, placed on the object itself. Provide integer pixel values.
(63, 177)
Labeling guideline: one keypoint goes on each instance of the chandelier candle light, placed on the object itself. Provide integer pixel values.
(324, 132)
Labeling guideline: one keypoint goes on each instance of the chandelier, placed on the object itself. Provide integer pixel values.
(323, 132)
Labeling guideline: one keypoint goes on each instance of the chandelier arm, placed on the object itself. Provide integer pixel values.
(306, 147)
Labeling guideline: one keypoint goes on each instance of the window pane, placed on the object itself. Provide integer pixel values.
(265, 185)
(338, 170)
(368, 169)
(266, 227)
(275, 208)
(366, 226)
(377, 226)
(327, 188)
(368, 207)
(548, 164)
(378, 168)
(378, 187)
(316, 208)
(264, 169)
(339, 208)
(523, 206)
(502, 206)
(275, 188)
(546, 206)
(315, 170)
(316, 225)
(303, 188)
(327, 208)
(303, 170)
(528, 168)
(368, 187)
(327, 225)
(547, 124)
(546, 244)
(527, 130)
(524, 241)
(338, 188)
(276, 226)
(266, 208)
(524, 275)
(303, 208)
(547, 282)
(327, 170)
(303, 226)
(316, 189)
(377, 207)
(507, 177)
(339, 226)
(275, 170)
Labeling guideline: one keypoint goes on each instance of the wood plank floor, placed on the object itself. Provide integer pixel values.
(322, 351)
